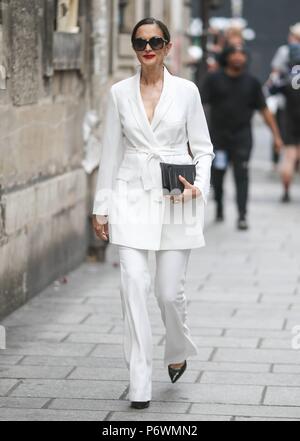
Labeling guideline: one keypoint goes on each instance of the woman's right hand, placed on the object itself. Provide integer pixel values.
(100, 224)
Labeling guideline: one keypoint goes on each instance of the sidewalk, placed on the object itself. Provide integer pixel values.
(65, 359)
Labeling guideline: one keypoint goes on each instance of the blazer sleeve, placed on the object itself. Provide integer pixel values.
(111, 156)
(200, 142)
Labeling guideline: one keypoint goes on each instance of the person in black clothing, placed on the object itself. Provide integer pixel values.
(233, 95)
(285, 80)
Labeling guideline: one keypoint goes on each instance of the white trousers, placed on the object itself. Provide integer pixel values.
(135, 285)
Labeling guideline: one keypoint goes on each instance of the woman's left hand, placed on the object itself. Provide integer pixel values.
(190, 192)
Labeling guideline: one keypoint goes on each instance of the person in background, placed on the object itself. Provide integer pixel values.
(233, 95)
(233, 36)
(283, 82)
(280, 62)
(216, 41)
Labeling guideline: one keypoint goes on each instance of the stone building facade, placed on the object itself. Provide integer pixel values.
(57, 61)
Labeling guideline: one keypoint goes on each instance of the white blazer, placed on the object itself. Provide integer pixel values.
(129, 186)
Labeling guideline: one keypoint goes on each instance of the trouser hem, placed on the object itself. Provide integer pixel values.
(180, 359)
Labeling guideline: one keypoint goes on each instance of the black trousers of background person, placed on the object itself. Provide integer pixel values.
(239, 159)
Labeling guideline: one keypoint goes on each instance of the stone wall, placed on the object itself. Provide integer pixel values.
(43, 187)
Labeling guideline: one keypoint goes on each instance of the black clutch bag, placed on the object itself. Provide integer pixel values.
(170, 176)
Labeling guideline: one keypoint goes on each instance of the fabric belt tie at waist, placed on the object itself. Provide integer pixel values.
(150, 173)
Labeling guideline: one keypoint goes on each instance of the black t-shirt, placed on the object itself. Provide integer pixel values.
(292, 95)
(232, 101)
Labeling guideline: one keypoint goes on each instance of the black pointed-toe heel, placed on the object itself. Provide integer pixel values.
(175, 374)
(140, 404)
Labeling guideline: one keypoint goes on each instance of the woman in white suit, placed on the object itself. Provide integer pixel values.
(152, 117)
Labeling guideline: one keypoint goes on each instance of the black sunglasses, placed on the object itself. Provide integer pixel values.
(156, 43)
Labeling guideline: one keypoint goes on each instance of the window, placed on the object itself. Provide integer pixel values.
(65, 35)
(122, 7)
(66, 38)
(147, 8)
(67, 16)
(126, 16)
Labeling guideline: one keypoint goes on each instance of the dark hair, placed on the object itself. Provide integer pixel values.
(229, 50)
(151, 20)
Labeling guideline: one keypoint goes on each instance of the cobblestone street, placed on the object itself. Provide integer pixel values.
(64, 356)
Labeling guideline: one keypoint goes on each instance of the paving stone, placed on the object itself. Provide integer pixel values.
(34, 317)
(59, 328)
(283, 343)
(102, 373)
(226, 342)
(107, 319)
(292, 323)
(283, 396)
(258, 355)
(6, 385)
(207, 309)
(296, 306)
(69, 389)
(260, 314)
(23, 403)
(33, 372)
(9, 359)
(74, 361)
(150, 416)
(14, 337)
(52, 299)
(292, 369)
(208, 393)
(280, 298)
(235, 323)
(117, 405)
(64, 349)
(229, 367)
(253, 306)
(250, 411)
(265, 419)
(267, 335)
(269, 379)
(50, 415)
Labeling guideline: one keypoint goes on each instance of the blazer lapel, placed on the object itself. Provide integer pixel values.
(165, 101)
(162, 107)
